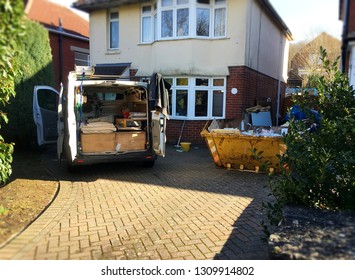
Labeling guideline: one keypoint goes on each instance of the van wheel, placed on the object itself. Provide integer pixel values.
(148, 164)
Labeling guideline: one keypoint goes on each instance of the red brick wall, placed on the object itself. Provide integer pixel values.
(68, 58)
(190, 133)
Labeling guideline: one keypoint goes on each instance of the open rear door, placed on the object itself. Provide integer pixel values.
(60, 124)
(158, 132)
(45, 114)
(159, 100)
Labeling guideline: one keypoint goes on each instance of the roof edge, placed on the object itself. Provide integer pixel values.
(278, 20)
(90, 5)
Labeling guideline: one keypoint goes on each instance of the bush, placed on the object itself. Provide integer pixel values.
(35, 63)
(11, 30)
(319, 160)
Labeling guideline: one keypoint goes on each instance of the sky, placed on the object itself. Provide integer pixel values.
(305, 18)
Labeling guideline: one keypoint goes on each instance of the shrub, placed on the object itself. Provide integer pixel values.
(320, 159)
(11, 30)
(35, 63)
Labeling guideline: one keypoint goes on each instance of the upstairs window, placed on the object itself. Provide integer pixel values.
(113, 30)
(176, 19)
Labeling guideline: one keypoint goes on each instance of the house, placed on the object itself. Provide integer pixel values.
(220, 56)
(68, 35)
(306, 61)
(347, 15)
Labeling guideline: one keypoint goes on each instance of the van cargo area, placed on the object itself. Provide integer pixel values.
(112, 119)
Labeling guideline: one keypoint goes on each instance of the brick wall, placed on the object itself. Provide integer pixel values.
(67, 56)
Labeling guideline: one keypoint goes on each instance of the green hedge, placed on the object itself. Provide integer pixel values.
(11, 31)
(36, 66)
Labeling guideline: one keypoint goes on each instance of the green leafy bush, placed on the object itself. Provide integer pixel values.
(36, 66)
(320, 161)
(11, 30)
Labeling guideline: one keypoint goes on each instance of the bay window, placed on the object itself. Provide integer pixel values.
(176, 19)
(197, 98)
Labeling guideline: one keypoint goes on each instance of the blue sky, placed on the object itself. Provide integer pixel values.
(305, 18)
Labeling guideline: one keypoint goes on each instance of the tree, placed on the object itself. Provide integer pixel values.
(319, 161)
(304, 58)
(11, 31)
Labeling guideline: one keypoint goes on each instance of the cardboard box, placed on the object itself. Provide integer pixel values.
(98, 142)
(130, 140)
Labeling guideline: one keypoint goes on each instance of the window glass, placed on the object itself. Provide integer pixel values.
(218, 82)
(166, 3)
(81, 59)
(202, 82)
(114, 30)
(114, 15)
(146, 29)
(201, 103)
(202, 22)
(47, 99)
(146, 9)
(181, 102)
(217, 106)
(181, 2)
(167, 24)
(220, 1)
(182, 22)
(203, 1)
(220, 22)
(182, 81)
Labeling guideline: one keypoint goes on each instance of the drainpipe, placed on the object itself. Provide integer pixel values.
(60, 52)
(279, 84)
(345, 41)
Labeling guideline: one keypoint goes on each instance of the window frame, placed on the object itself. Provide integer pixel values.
(109, 29)
(192, 7)
(191, 88)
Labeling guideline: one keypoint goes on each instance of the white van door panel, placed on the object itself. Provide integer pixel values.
(71, 118)
(60, 124)
(158, 133)
(45, 114)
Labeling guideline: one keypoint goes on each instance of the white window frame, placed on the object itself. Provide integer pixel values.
(191, 92)
(192, 6)
(109, 21)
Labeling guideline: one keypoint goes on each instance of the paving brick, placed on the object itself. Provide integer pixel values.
(183, 208)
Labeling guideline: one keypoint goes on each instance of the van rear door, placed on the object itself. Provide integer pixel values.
(159, 100)
(158, 133)
(45, 114)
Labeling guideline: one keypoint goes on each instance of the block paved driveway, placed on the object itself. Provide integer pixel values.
(182, 208)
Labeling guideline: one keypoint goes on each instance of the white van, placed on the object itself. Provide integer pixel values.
(103, 119)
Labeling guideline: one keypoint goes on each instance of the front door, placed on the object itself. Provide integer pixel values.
(45, 114)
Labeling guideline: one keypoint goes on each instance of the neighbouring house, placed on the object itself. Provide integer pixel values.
(347, 15)
(306, 61)
(220, 56)
(68, 35)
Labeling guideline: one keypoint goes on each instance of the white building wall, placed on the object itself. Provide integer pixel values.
(267, 47)
(202, 57)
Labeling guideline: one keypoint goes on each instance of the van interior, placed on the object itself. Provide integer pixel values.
(111, 119)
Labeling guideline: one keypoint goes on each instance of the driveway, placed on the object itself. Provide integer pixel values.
(182, 208)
